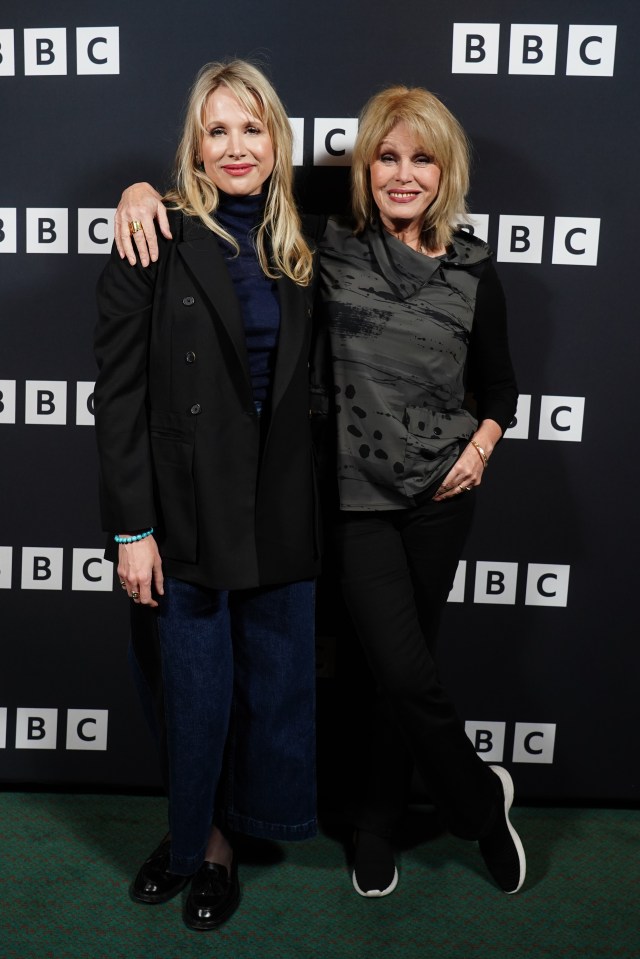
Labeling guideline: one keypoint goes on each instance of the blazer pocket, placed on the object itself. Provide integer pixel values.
(172, 446)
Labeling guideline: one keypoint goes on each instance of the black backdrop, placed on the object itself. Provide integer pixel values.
(540, 638)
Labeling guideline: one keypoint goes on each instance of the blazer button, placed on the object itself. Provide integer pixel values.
(195, 409)
(190, 357)
(188, 301)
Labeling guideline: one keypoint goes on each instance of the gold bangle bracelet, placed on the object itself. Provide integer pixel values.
(481, 453)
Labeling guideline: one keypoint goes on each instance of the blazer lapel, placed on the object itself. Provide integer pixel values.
(200, 251)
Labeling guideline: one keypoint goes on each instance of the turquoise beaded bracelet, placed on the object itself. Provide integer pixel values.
(133, 539)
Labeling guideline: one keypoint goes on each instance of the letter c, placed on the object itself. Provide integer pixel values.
(540, 587)
(567, 240)
(583, 50)
(85, 570)
(81, 734)
(528, 746)
(554, 418)
(91, 48)
(327, 143)
(92, 231)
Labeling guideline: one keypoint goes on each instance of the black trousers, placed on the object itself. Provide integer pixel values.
(397, 567)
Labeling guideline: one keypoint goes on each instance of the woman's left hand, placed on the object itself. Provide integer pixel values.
(140, 570)
(467, 471)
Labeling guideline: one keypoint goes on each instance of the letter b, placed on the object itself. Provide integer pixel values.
(41, 567)
(495, 583)
(520, 238)
(45, 51)
(45, 402)
(532, 48)
(487, 739)
(475, 48)
(47, 230)
(36, 728)
(7, 54)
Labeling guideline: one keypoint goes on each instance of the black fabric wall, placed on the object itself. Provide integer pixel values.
(539, 642)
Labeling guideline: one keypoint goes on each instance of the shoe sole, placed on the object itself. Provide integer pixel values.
(507, 787)
(376, 893)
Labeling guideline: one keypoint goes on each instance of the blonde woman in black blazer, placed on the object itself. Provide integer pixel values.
(207, 485)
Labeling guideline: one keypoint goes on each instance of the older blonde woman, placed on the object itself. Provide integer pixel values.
(424, 389)
(207, 485)
(417, 321)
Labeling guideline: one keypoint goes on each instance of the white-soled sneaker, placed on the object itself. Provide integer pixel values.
(501, 848)
(374, 872)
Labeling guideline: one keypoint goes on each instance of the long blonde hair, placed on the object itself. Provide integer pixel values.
(280, 245)
(438, 132)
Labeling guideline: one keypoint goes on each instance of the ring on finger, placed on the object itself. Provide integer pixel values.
(135, 595)
(134, 226)
(123, 584)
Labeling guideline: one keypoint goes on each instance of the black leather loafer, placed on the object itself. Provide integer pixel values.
(154, 883)
(213, 897)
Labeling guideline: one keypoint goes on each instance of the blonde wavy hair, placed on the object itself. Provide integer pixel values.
(281, 248)
(439, 134)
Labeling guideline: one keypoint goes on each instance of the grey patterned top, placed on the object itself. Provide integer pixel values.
(404, 345)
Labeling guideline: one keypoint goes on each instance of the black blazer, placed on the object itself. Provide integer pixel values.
(178, 438)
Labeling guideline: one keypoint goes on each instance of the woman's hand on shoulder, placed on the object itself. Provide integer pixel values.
(140, 570)
(140, 204)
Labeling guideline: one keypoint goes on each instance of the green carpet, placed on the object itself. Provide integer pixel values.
(67, 860)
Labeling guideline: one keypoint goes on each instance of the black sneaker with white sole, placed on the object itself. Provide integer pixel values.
(501, 848)
(374, 867)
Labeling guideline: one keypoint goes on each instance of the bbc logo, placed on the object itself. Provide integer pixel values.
(532, 742)
(37, 728)
(47, 230)
(333, 140)
(521, 238)
(42, 568)
(561, 419)
(591, 49)
(45, 51)
(45, 402)
(496, 582)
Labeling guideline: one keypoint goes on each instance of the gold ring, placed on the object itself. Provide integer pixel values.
(134, 226)
(123, 584)
(135, 595)
(468, 489)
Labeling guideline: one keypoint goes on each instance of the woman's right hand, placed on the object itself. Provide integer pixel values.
(140, 568)
(142, 203)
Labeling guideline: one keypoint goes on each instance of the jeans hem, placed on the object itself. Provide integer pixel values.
(186, 865)
(269, 830)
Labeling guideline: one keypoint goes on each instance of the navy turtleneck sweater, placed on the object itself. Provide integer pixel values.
(258, 295)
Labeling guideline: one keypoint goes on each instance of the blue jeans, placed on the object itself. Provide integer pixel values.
(238, 672)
